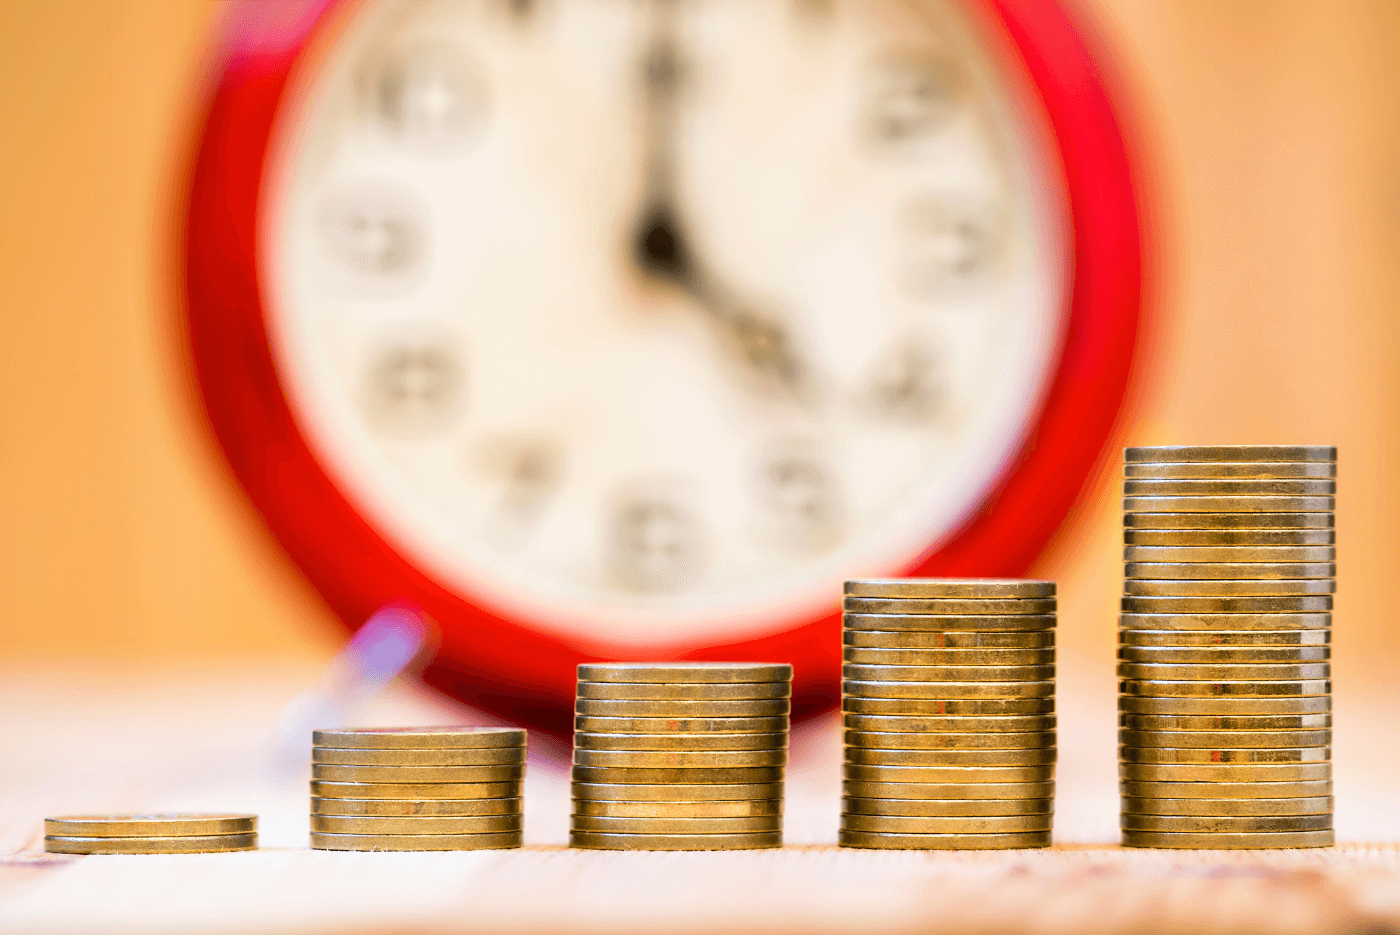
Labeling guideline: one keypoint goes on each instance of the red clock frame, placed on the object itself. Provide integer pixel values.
(501, 664)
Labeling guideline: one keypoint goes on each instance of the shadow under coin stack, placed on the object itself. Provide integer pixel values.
(150, 834)
(948, 693)
(680, 757)
(1225, 700)
(417, 789)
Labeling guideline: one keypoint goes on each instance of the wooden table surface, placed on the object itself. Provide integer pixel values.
(95, 740)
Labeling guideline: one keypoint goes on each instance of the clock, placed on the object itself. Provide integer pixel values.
(601, 329)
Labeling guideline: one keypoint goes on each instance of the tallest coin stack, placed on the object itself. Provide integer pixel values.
(1225, 694)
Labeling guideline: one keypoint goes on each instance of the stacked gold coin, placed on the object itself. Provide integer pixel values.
(1225, 693)
(417, 789)
(949, 697)
(150, 834)
(680, 756)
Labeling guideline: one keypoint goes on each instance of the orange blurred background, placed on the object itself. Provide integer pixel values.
(1268, 151)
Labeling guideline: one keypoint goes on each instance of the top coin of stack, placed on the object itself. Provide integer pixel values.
(948, 694)
(150, 834)
(680, 756)
(1225, 693)
(417, 789)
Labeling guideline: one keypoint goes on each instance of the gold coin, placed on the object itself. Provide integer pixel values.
(322, 841)
(946, 824)
(914, 640)
(1304, 704)
(949, 690)
(419, 738)
(865, 756)
(974, 673)
(689, 726)
(1233, 672)
(1211, 487)
(411, 774)
(597, 840)
(1225, 655)
(948, 707)
(1227, 841)
(601, 707)
(1244, 638)
(1272, 555)
(182, 844)
(761, 823)
(411, 808)
(1042, 790)
(1208, 723)
(1239, 536)
(974, 588)
(1000, 740)
(708, 673)
(956, 725)
(1228, 505)
(777, 740)
(1153, 454)
(478, 824)
(153, 825)
(861, 772)
(1203, 518)
(1150, 587)
(442, 756)
(1184, 755)
(1225, 739)
(1316, 805)
(698, 775)
(653, 759)
(421, 791)
(1160, 688)
(1163, 791)
(1231, 772)
(1306, 604)
(677, 792)
(1221, 470)
(943, 842)
(751, 808)
(952, 607)
(950, 657)
(946, 808)
(1230, 824)
(1231, 571)
(684, 691)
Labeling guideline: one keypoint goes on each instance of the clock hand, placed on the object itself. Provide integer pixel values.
(661, 250)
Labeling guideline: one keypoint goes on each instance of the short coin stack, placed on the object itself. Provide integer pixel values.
(1225, 694)
(949, 696)
(150, 834)
(681, 756)
(417, 789)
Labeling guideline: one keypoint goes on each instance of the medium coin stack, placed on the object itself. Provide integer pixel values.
(150, 834)
(948, 694)
(680, 756)
(417, 789)
(1225, 693)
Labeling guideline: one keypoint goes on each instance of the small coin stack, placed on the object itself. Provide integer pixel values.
(949, 696)
(417, 789)
(681, 756)
(150, 834)
(1225, 700)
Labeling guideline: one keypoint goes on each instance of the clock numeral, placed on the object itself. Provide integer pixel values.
(801, 506)
(427, 93)
(954, 241)
(372, 232)
(907, 385)
(412, 390)
(654, 545)
(911, 96)
(529, 470)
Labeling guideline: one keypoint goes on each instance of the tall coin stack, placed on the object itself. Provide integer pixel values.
(681, 756)
(948, 693)
(1225, 700)
(417, 789)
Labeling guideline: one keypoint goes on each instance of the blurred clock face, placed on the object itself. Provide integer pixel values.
(633, 318)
